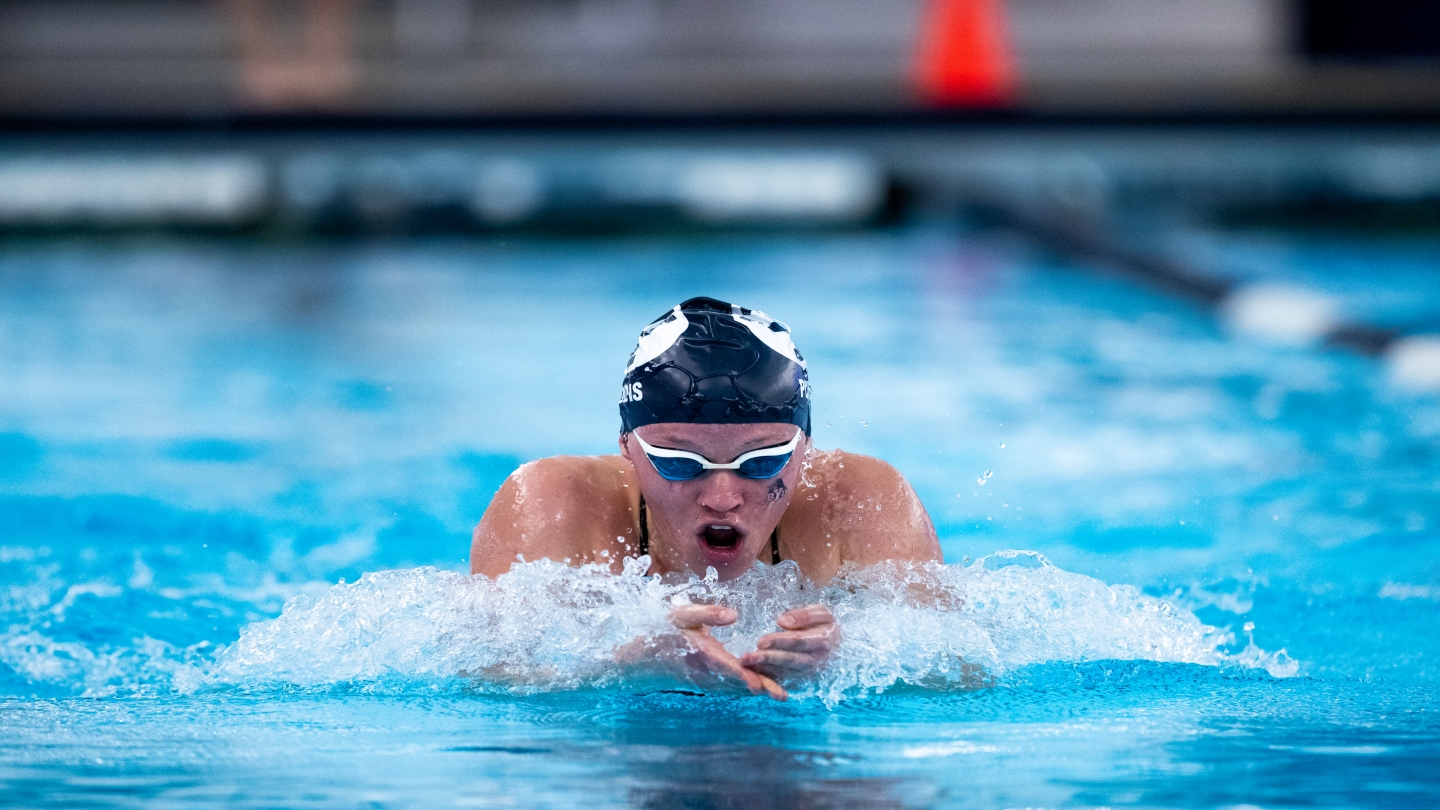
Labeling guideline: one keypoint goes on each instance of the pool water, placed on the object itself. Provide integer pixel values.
(237, 481)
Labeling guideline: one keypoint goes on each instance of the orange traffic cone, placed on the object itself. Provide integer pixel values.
(963, 56)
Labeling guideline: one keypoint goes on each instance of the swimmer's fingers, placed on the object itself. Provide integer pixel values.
(816, 638)
(697, 651)
(794, 653)
(684, 617)
(782, 664)
(819, 640)
(772, 690)
(802, 617)
(710, 656)
(692, 616)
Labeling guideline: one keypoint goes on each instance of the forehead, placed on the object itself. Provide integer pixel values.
(716, 437)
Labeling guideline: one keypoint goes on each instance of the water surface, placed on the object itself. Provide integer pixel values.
(1233, 596)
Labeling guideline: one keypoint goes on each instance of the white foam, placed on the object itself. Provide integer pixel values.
(544, 623)
(548, 626)
(149, 666)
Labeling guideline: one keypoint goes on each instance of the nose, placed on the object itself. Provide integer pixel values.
(719, 492)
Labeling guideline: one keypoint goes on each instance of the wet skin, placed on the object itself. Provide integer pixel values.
(832, 508)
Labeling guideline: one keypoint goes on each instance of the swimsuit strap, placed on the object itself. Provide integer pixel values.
(644, 530)
(645, 536)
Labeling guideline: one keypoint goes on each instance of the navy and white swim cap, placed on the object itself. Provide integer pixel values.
(710, 362)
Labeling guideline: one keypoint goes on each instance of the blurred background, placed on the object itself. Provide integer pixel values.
(502, 114)
(1148, 285)
(187, 60)
(479, 114)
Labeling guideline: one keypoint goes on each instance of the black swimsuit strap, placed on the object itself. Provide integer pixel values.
(645, 536)
(644, 530)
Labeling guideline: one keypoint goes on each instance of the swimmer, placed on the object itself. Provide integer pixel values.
(715, 470)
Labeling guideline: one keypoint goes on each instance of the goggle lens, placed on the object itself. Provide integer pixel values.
(764, 466)
(677, 469)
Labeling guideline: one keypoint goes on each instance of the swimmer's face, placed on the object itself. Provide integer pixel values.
(720, 519)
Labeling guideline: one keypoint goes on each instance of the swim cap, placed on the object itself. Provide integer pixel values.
(710, 362)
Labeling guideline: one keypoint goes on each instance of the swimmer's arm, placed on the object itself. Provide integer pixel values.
(555, 508)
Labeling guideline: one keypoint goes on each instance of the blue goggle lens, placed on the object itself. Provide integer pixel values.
(677, 469)
(764, 466)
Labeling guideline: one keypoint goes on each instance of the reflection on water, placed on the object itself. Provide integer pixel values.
(759, 776)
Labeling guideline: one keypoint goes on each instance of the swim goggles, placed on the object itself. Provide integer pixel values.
(679, 465)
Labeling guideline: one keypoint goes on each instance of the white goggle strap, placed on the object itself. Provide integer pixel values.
(666, 452)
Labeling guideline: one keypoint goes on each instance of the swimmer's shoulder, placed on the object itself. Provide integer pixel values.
(861, 510)
(572, 476)
(574, 509)
(844, 478)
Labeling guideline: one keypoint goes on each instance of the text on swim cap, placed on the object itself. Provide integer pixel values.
(630, 392)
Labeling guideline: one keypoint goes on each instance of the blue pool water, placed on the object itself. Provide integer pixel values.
(237, 481)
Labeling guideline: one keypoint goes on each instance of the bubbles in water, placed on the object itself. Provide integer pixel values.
(984, 478)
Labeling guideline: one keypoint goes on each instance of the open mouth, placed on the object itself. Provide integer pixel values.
(721, 536)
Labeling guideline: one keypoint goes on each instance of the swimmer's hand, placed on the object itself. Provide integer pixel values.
(808, 635)
(705, 659)
(708, 657)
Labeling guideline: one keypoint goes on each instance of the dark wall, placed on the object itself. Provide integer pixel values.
(1371, 30)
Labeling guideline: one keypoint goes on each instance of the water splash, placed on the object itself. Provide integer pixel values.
(543, 624)
(146, 666)
(547, 626)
